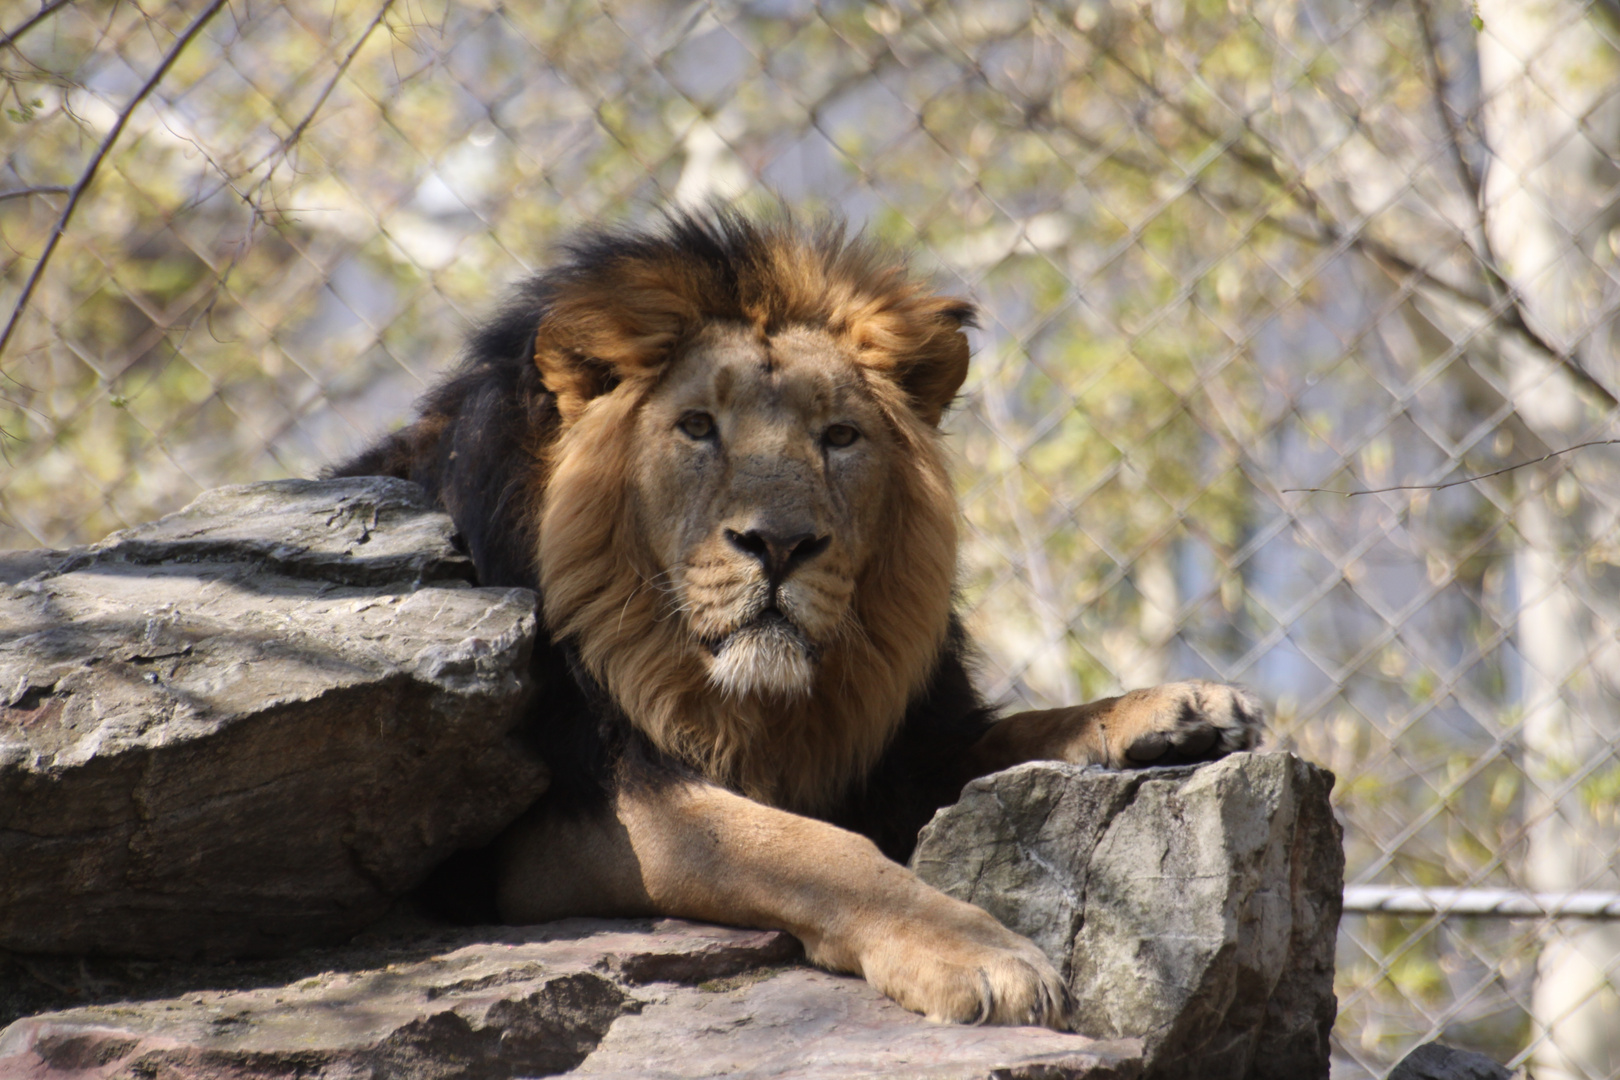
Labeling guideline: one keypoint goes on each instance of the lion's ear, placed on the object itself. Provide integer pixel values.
(573, 377)
(615, 322)
(938, 364)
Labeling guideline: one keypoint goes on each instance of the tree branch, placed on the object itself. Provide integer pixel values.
(1327, 232)
(90, 170)
(298, 130)
(1473, 185)
(254, 197)
(1472, 182)
(23, 193)
(45, 12)
(1264, 165)
(1454, 483)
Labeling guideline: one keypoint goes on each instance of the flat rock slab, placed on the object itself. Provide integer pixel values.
(1196, 907)
(588, 997)
(251, 724)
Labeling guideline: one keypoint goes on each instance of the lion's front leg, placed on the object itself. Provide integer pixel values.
(1173, 724)
(693, 850)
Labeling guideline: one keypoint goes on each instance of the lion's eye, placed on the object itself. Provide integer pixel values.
(698, 425)
(840, 435)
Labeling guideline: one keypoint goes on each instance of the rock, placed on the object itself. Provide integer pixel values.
(1194, 907)
(360, 531)
(630, 999)
(1433, 1061)
(251, 724)
(18, 566)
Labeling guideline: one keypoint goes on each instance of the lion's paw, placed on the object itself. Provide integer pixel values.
(956, 964)
(1182, 723)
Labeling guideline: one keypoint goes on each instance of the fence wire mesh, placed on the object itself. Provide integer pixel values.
(1228, 252)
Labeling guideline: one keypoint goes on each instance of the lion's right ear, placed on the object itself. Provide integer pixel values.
(612, 323)
(574, 378)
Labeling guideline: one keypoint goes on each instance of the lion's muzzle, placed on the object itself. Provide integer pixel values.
(768, 656)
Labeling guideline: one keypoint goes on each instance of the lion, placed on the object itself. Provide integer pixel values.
(712, 448)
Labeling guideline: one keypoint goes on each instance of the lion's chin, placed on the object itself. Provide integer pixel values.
(767, 658)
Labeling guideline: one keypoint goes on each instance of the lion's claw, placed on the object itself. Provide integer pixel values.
(1194, 742)
(957, 964)
(1184, 723)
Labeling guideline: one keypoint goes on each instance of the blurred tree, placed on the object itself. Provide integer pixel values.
(1223, 248)
(1549, 72)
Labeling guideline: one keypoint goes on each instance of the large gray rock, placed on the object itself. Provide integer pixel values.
(630, 999)
(1194, 907)
(252, 723)
(1436, 1061)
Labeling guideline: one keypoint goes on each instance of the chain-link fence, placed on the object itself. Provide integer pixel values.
(1229, 252)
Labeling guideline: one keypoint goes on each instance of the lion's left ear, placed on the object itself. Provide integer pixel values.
(934, 363)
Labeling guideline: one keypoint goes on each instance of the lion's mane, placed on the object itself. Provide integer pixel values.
(527, 446)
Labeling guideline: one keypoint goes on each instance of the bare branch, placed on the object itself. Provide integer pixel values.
(1470, 178)
(1264, 165)
(1455, 483)
(23, 193)
(1325, 233)
(1513, 314)
(1467, 176)
(298, 130)
(11, 36)
(255, 197)
(89, 173)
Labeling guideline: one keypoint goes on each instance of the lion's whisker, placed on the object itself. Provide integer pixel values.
(646, 582)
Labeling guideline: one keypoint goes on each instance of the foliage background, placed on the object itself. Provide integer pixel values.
(1225, 250)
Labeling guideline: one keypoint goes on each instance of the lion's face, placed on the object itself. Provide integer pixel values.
(747, 530)
(761, 470)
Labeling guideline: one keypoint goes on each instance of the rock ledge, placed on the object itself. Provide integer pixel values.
(657, 1000)
(251, 724)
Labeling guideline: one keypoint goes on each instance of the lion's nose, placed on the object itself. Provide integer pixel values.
(779, 554)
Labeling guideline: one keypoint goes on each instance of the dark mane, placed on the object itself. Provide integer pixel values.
(479, 446)
(476, 441)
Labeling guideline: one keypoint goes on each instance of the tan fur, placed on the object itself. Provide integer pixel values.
(784, 685)
(625, 316)
(1137, 728)
(814, 321)
(697, 851)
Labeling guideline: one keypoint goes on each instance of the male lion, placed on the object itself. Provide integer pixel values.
(713, 449)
